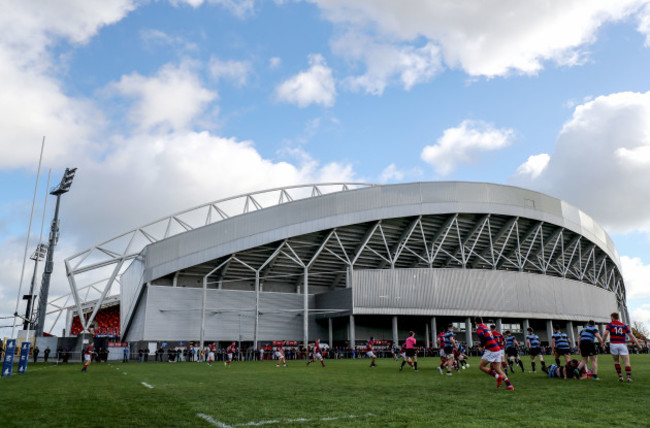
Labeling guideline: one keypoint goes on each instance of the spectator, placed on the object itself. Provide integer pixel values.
(35, 354)
(46, 354)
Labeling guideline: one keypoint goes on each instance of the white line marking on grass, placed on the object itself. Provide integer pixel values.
(213, 421)
(277, 421)
(147, 385)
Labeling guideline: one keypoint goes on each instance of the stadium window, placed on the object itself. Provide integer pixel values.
(459, 326)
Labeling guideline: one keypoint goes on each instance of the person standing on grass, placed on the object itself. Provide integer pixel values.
(369, 351)
(492, 353)
(211, 348)
(587, 345)
(561, 345)
(534, 348)
(88, 354)
(411, 352)
(618, 345)
(440, 340)
(512, 351)
(230, 351)
(498, 338)
(449, 347)
(46, 354)
(279, 354)
(316, 354)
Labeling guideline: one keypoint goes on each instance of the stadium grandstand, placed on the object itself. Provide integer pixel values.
(346, 261)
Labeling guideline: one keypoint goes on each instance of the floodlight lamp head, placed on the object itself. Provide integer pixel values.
(66, 182)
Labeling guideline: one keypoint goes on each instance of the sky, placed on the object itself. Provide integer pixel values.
(166, 105)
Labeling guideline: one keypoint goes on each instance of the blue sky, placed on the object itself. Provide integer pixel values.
(164, 105)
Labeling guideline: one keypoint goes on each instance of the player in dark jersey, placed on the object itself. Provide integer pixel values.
(618, 345)
(534, 348)
(561, 345)
(460, 355)
(498, 337)
(370, 352)
(316, 354)
(492, 354)
(411, 352)
(449, 346)
(587, 345)
(512, 351)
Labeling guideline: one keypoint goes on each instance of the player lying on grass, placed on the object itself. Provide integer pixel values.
(569, 371)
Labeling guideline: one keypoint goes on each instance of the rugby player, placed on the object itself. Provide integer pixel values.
(492, 353)
(512, 350)
(586, 343)
(369, 351)
(411, 352)
(618, 346)
(561, 345)
(498, 338)
(279, 354)
(449, 347)
(534, 349)
(88, 355)
(211, 348)
(229, 353)
(316, 354)
(440, 339)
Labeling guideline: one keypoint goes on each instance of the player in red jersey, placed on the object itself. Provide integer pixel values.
(279, 354)
(411, 352)
(88, 355)
(230, 351)
(369, 351)
(211, 348)
(316, 354)
(618, 346)
(492, 354)
(440, 340)
(498, 337)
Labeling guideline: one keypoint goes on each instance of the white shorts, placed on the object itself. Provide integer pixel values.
(87, 357)
(443, 354)
(278, 355)
(317, 356)
(618, 349)
(210, 355)
(402, 354)
(492, 356)
(230, 356)
(370, 354)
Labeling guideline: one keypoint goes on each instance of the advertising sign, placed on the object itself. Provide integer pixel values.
(8, 365)
(24, 357)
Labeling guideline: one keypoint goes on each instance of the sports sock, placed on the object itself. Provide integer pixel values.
(628, 371)
(618, 369)
(521, 364)
(507, 381)
(415, 365)
(543, 363)
(532, 364)
(493, 373)
(557, 361)
(410, 363)
(403, 364)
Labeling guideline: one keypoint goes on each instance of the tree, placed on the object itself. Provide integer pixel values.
(640, 330)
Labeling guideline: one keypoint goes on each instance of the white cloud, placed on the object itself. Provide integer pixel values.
(534, 166)
(275, 62)
(391, 173)
(641, 314)
(386, 62)
(463, 144)
(171, 99)
(32, 103)
(601, 162)
(236, 71)
(239, 8)
(314, 86)
(482, 38)
(637, 277)
(152, 37)
(644, 24)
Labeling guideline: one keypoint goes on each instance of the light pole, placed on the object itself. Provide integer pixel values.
(38, 256)
(62, 188)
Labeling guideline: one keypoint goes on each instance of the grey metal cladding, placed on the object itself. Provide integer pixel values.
(138, 320)
(363, 205)
(175, 314)
(466, 292)
(130, 288)
(337, 300)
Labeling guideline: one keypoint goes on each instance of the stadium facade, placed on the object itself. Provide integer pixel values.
(363, 260)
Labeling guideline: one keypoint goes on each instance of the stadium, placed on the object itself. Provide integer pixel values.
(345, 261)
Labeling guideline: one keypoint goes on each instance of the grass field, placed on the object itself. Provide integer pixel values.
(345, 393)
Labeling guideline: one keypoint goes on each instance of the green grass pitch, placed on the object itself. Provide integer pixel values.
(344, 393)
